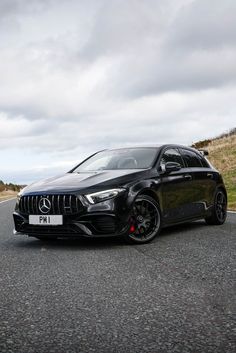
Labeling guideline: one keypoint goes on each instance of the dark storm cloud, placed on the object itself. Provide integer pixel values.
(177, 72)
(158, 49)
(8, 8)
(204, 25)
(12, 10)
(121, 27)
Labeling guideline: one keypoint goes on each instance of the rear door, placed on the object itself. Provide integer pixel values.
(176, 189)
(203, 180)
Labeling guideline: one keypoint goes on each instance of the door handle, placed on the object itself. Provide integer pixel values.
(188, 176)
(210, 175)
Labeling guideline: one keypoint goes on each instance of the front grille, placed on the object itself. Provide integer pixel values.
(60, 204)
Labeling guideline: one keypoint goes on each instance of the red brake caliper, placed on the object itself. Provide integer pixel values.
(132, 228)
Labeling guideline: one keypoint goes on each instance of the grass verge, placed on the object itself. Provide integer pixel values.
(6, 195)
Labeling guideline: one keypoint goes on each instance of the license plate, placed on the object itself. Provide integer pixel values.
(46, 220)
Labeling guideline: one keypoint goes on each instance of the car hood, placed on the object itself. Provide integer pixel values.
(86, 180)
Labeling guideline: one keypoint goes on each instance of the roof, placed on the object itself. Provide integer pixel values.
(157, 146)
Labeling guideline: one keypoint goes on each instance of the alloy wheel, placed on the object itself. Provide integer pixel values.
(221, 206)
(145, 220)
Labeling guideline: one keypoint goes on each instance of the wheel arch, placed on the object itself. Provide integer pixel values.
(222, 188)
(151, 193)
(149, 187)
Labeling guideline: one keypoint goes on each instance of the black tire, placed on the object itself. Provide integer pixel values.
(145, 221)
(219, 211)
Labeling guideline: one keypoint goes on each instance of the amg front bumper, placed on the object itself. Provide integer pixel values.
(96, 225)
(80, 218)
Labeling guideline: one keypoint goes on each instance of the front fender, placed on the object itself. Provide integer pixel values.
(149, 187)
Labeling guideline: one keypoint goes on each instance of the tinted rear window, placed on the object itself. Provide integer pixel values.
(204, 162)
(191, 158)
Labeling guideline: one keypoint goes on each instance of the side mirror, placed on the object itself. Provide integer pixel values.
(170, 167)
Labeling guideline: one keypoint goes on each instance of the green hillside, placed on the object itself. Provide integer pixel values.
(8, 191)
(222, 154)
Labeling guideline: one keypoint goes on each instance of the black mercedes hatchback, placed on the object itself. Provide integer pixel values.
(129, 192)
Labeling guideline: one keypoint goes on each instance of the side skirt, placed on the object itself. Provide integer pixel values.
(165, 225)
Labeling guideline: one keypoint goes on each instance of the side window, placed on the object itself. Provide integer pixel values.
(191, 158)
(204, 162)
(172, 155)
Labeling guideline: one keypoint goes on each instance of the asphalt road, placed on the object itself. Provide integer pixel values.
(176, 294)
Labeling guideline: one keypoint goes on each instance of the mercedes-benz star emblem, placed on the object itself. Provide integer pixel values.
(44, 205)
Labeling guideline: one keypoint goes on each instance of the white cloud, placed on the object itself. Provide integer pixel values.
(81, 76)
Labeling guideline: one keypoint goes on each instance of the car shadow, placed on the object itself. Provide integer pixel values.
(71, 243)
(99, 243)
(183, 227)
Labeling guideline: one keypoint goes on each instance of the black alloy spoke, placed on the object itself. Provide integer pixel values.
(221, 206)
(143, 207)
(146, 219)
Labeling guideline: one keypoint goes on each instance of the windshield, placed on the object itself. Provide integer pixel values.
(130, 158)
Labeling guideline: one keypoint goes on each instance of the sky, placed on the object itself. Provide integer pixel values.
(80, 76)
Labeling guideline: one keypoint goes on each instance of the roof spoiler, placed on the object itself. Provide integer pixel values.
(204, 152)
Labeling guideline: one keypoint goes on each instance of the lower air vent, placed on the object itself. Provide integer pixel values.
(104, 224)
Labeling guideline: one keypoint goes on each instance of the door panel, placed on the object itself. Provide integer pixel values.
(204, 181)
(176, 189)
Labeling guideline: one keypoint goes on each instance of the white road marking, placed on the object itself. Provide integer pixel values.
(13, 198)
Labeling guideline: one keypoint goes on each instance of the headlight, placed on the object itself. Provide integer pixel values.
(18, 196)
(103, 195)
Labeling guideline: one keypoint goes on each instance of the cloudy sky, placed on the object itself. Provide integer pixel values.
(78, 76)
